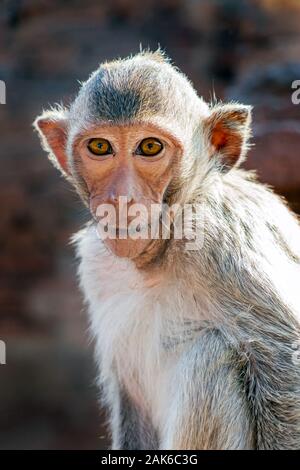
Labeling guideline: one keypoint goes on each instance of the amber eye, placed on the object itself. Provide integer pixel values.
(149, 147)
(99, 147)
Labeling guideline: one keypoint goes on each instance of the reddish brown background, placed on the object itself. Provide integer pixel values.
(245, 50)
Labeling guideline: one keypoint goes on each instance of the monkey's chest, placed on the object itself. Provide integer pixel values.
(141, 339)
(143, 369)
(134, 343)
(139, 329)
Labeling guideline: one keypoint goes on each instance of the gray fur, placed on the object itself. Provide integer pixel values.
(135, 430)
(256, 321)
(138, 88)
(214, 413)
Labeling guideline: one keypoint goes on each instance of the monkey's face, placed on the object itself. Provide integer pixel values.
(138, 134)
(126, 170)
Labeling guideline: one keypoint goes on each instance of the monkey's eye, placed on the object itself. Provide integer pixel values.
(149, 147)
(99, 147)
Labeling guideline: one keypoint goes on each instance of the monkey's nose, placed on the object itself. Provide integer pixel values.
(118, 199)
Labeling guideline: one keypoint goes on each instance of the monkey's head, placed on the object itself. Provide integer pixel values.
(138, 129)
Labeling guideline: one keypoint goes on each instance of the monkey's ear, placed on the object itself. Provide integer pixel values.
(52, 129)
(228, 131)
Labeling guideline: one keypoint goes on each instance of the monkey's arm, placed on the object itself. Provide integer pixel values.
(263, 328)
(208, 409)
(252, 269)
(268, 332)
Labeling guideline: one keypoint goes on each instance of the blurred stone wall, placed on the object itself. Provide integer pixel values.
(245, 50)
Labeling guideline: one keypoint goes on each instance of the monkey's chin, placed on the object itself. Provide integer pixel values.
(126, 248)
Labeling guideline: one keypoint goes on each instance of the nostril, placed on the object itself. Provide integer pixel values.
(127, 199)
(113, 198)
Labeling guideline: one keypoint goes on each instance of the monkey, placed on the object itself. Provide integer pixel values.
(195, 348)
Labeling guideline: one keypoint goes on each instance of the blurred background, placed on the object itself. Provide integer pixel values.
(248, 50)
